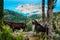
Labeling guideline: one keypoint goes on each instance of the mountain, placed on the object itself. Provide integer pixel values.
(35, 16)
(14, 16)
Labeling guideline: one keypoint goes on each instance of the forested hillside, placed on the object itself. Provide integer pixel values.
(16, 17)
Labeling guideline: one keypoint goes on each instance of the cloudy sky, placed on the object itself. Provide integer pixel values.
(28, 6)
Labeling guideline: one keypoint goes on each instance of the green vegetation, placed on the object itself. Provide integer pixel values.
(16, 17)
(7, 34)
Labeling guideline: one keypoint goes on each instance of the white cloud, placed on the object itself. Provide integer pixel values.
(30, 8)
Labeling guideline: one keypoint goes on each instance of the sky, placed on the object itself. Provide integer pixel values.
(25, 6)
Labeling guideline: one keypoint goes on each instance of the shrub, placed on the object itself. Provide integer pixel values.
(20, 36)
(7, 34)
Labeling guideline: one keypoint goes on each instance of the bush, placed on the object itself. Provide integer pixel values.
(7, 34)
(29, 27)
(20, 36)
(56, 36)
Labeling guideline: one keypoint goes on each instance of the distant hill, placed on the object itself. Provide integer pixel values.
(14, 16)
(35, 16)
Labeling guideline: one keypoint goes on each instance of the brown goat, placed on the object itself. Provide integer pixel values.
(16, 25)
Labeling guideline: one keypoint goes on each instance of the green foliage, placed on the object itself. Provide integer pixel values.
(35, 16)
(57, 32)
(53, 24)
(56, 35)
(20, 36)
(7, 34)
(29, 26)
(15, 17)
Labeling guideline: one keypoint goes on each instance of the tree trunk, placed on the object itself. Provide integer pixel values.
(1, 13)
(49, 18)
(43, 12)
(49, 23)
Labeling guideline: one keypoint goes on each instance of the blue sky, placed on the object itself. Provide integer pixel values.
(12, 4)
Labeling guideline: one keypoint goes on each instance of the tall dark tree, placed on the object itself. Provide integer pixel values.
(1, 13)
(51, 5)
(43, 12)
